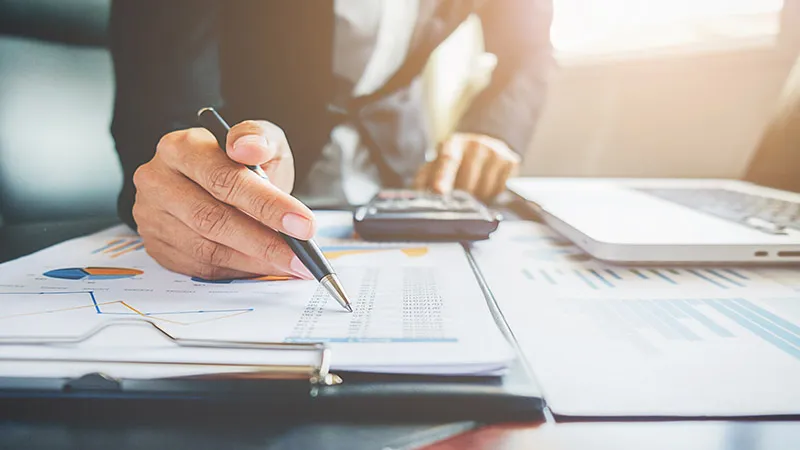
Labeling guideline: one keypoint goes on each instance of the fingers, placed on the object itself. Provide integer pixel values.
(472, 167)
(172, 259)
(214, 233)
(505, 174)
(445, 168)
(195, 154)
(493, 177)
(207, 252)
(254, 142)
(476, 164)
(421, 180)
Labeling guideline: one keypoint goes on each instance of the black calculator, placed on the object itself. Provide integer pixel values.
(409, 215)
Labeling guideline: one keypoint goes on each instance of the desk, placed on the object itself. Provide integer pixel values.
(729, 435)
(269, 433)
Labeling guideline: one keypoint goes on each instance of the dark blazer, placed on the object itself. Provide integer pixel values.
(272, 60)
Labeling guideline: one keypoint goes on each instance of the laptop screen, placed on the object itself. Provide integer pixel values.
(776, 162)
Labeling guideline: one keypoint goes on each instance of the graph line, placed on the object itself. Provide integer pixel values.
(662, 276)
(110, 244)
(639, 274)
(613, 274)
(601, 278)
(736, 274)
(132, 249)
(585, 280)
(94, 304)
(729, 280)
(547, 276)
(705, 277)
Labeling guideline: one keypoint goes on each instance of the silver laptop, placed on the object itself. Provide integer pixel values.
(669, 220)
(756, 220)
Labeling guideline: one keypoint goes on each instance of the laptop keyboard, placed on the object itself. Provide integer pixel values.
(766, 214)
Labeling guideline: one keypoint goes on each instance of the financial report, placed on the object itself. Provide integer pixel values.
(417, 308)
(608, 340)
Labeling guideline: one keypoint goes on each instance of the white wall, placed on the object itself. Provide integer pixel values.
(683, 116)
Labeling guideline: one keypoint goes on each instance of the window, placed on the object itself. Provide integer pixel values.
(592, 27)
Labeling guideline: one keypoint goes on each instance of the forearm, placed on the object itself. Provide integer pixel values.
(518, 33)
(166, 67)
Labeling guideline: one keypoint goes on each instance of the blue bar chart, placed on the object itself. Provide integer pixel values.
(695, 320)
(601, 278)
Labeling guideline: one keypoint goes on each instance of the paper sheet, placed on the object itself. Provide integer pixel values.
(607, 340)
(417, 308)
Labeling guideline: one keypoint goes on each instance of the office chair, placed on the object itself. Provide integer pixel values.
(57, 159)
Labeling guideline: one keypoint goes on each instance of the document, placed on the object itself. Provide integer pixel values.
(607, 340)
(417, 307)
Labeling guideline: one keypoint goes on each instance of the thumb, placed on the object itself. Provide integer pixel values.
(249, 143)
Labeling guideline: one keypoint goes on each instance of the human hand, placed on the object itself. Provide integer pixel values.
(204, 214)
(474, 163)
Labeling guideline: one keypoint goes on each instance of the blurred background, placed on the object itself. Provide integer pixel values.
(678, 88)
(673, 88)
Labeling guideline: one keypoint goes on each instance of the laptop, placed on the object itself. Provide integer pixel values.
(754, 220)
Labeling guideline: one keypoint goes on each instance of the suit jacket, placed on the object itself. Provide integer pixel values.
(272, 60)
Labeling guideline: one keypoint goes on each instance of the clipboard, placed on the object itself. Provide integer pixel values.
(307, 392)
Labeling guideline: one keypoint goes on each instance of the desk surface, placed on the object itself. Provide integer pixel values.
(223, 432)
(699, 435)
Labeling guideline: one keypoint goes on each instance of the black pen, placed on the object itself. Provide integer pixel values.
(308, 251)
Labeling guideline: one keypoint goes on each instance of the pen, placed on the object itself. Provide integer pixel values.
(308, 251)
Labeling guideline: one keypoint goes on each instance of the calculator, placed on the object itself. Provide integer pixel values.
(409, 215)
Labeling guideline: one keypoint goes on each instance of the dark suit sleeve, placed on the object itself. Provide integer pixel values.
(518, 33)
(166, 64)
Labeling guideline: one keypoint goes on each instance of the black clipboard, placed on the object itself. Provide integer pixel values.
(306, 392)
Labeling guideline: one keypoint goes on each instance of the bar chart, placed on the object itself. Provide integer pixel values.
(603, 278)
(646, 321)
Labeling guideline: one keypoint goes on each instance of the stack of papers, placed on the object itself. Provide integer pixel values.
(607, 340)
(417, 309)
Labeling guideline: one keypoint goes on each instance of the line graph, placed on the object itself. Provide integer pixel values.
(88, 301)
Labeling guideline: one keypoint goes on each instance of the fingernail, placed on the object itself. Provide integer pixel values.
(297, 225)
(300, 269)
(245, 141)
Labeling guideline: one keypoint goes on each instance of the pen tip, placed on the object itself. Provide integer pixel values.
(334, 287)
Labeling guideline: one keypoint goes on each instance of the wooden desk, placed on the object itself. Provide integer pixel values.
(699, 435)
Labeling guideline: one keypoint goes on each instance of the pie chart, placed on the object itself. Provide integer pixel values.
(93, 273)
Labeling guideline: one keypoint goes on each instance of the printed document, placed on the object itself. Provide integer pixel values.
(607, 340)
(417, 307)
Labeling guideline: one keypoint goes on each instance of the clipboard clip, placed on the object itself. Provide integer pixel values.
(318, 374)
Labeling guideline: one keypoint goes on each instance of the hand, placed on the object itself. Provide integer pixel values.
(474, 163)
(202, 213)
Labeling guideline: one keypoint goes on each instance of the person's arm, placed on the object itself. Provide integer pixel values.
(518, 33)
(199, 211)
(498, 126)
(166, 65)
